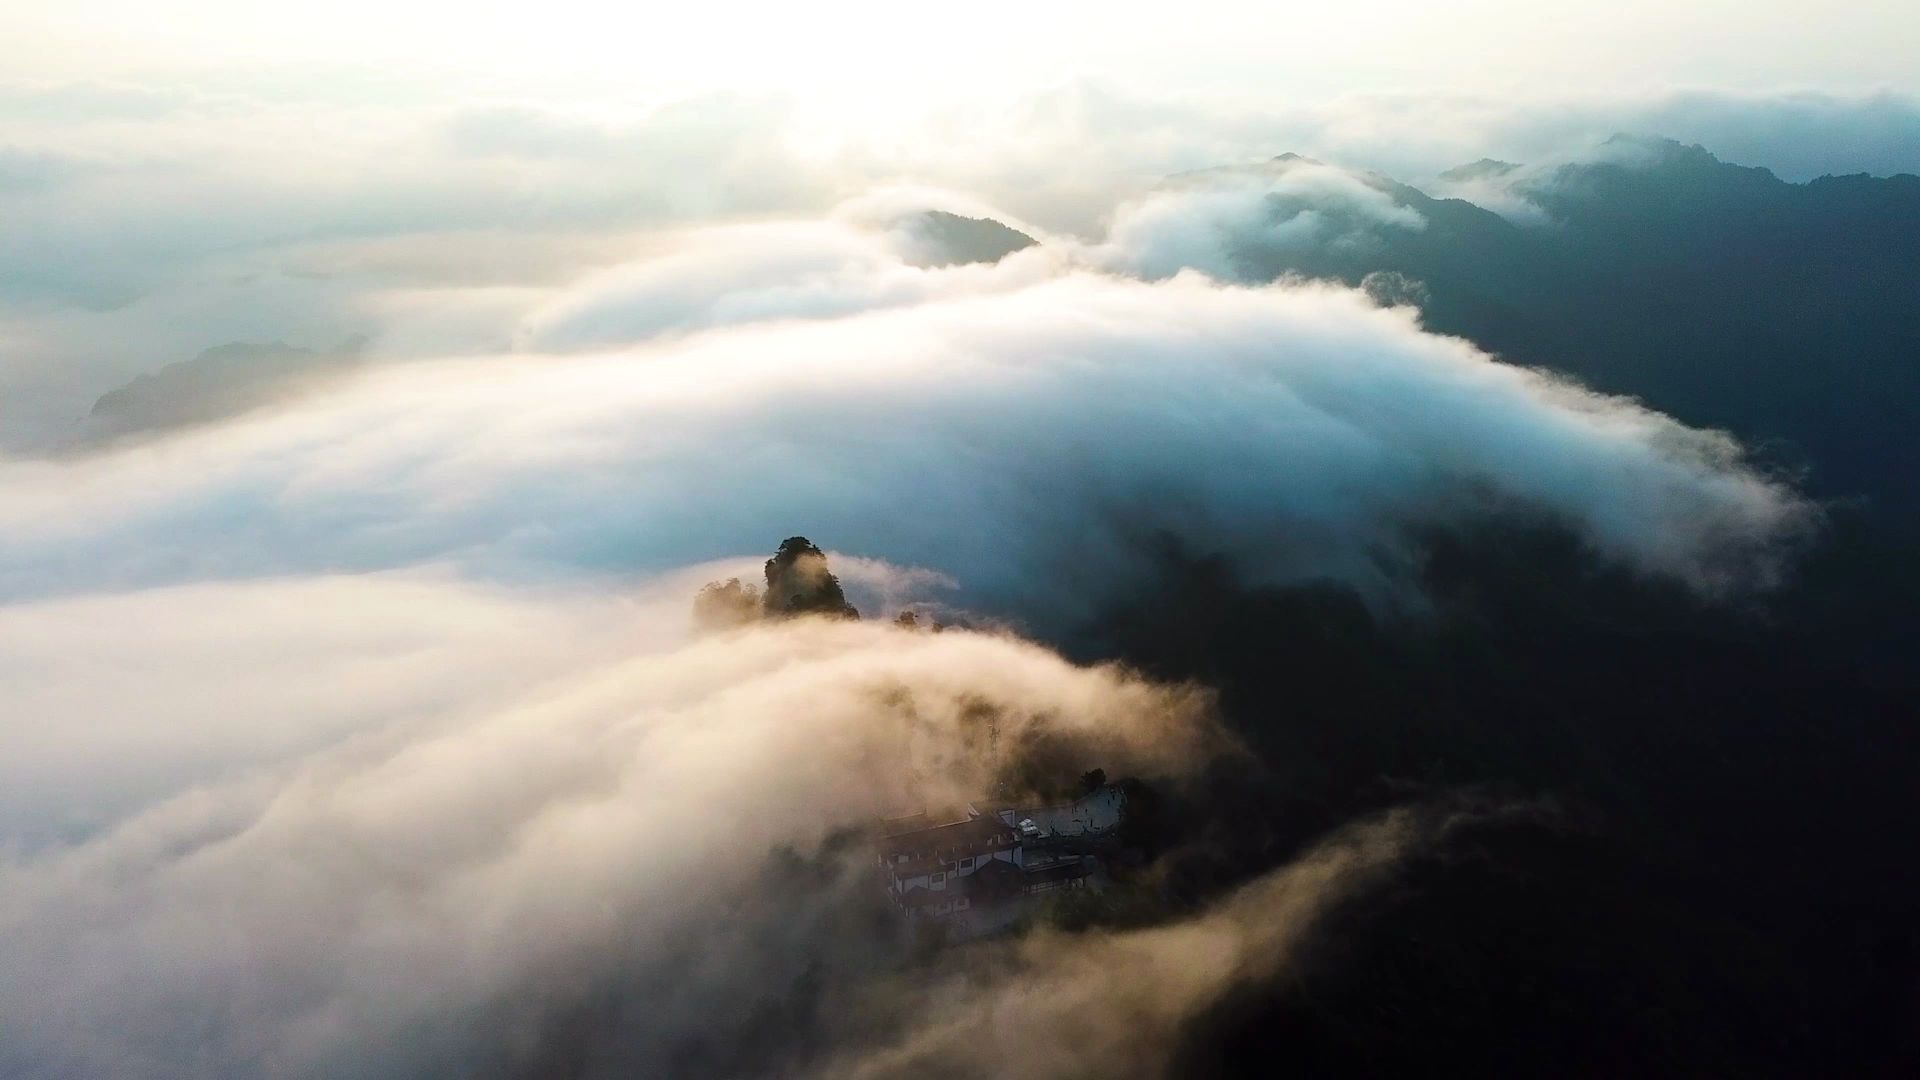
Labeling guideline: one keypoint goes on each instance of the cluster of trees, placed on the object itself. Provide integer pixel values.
(798, 582)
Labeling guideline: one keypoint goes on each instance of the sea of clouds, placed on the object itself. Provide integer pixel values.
(364, 733)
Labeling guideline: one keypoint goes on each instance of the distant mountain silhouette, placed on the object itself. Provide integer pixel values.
(1485, 168)
(1786, 313)
(955, 240)
(221, 382)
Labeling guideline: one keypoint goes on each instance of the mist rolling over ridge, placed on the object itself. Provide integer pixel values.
(580, 543)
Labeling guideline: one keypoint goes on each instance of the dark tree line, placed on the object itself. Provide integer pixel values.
(798, 583)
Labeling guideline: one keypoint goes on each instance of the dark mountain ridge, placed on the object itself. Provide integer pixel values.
(1701, 865)
(1786, 313)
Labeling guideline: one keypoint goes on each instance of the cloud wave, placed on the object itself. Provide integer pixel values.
(421, 771)
(1021, 436)
(398, 898)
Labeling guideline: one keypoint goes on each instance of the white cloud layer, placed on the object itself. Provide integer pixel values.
(358, 734)
(410, 890)
(149, 220)
(1198, 221)
(1020, 427)
(760, 273)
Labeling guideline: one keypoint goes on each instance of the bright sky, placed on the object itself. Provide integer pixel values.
(893, 51)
